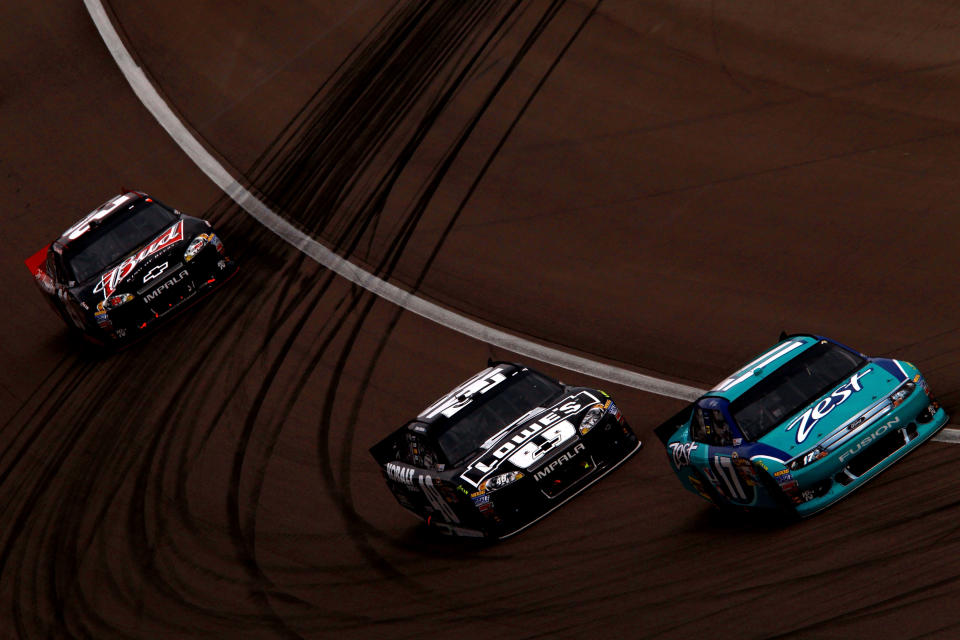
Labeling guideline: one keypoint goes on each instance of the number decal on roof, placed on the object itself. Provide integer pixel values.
(103, 211)
(460, 397)
(762, 361)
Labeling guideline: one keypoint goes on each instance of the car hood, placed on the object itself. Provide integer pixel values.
(850, 397)
(142, 265)
(532, 440)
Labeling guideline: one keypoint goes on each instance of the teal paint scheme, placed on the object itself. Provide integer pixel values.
(801, 426)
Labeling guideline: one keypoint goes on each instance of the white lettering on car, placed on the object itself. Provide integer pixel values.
(681, 453)
(809, 418)
(478, 469)
(460, 397)
(870, 438)
(83, 226)
(109, 281)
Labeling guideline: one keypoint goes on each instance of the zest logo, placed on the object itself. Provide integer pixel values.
(681, 453)
(809, 418)
(109, 281)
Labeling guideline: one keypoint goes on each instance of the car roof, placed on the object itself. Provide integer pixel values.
(81, 227)
(473, 391)
(747, 376)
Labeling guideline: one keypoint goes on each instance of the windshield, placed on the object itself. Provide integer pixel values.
(475, 425)
(102, 246)
(792, 387)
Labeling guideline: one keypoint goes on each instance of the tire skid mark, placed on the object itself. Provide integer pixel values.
(393, 255)
(67, 522)
(131, 477)
(354, 520)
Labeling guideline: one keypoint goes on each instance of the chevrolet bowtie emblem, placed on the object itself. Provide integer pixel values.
(154, 272)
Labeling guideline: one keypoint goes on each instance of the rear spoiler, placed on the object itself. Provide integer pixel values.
(666, 430)
(35, 261)
(388, 449)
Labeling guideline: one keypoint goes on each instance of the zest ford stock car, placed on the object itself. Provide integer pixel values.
(502, 450)
(801, 426)
(127, 264)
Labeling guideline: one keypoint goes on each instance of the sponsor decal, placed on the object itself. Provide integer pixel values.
(505, 447)
(696, 484)
(460, 397)
(155, 272)
(429, 487)
(809, 418)
(745, 467)
(479, 500)
(103, 211)
(680, 452)
(400, 473)
(560, 460)
(782, 472)
(879, 431)
(542, 443)
(757, 365)
(613, 410)
(166, 285)
(111, 279)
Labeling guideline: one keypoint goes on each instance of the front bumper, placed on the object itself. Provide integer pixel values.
(863, 457)
(174, 290)
(557, 480)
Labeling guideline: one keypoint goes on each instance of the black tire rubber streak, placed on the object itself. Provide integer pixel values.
(105, 478)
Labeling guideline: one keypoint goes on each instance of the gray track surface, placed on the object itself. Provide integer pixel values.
(661, 185)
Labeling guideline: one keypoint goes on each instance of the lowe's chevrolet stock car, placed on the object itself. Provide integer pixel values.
(801, 426)
(127, 264)
(502, 450)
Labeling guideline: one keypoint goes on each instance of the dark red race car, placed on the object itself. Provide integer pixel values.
(126, 265)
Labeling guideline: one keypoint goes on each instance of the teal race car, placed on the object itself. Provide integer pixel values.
(801, 426)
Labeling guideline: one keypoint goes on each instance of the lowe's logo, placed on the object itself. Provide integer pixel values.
(809, 418)
(543, 473)
(870, 438)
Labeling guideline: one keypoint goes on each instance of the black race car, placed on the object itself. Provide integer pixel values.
(502, 450)
(127, 264)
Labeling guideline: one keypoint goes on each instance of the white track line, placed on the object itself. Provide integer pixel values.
(154, 103)
(152, 100)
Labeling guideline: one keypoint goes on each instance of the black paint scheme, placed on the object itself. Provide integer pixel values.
(126, 265)
(502, 450)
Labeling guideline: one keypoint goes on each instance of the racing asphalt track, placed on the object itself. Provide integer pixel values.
(663, 185)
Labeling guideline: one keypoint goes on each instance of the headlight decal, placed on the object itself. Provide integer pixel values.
(199, 242)
(113, 302)
(499, 481)
(591, 418)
